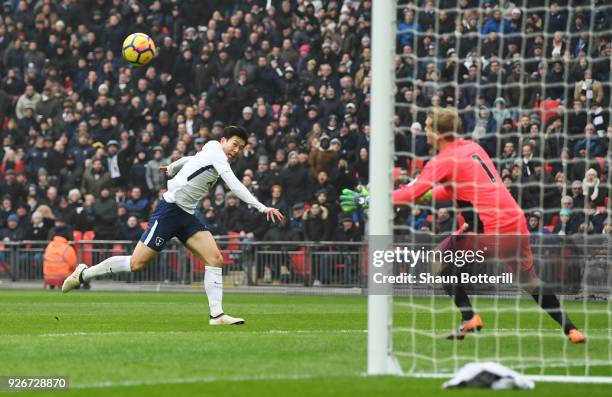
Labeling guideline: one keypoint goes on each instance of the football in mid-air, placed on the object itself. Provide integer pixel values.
(139, 49)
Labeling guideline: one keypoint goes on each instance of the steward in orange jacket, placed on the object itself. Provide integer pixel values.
(60, 258)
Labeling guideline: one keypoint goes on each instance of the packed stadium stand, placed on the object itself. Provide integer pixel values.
(84, 133)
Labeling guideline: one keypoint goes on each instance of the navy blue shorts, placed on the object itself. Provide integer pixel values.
(169, 220)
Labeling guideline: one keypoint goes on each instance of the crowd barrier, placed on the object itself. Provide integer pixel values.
(574, 262)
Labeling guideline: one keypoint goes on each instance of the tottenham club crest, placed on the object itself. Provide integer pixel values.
(159, 241)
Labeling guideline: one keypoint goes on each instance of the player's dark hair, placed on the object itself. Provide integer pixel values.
(237, 131)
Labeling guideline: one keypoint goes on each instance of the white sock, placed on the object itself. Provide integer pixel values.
(112, 265)
(213, 285)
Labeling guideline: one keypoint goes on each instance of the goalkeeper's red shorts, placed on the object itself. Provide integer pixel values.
(513, 251)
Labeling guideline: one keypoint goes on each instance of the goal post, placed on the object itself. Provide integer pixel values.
(380, 353)
(407, 326)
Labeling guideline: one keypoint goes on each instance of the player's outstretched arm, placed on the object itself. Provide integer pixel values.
(173, 168)
(412, 192)
(272, 214)
(435, 171)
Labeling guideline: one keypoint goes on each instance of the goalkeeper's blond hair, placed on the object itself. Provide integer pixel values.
(446, 122)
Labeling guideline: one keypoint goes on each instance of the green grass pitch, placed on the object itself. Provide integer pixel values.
(154, 344)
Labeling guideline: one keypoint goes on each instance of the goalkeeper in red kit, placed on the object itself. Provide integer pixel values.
(463, 172)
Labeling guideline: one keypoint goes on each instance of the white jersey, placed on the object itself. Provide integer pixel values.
(194, 176)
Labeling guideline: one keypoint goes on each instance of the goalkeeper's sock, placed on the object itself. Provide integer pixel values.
(213, 285)
(551, 305)
(461, 299)
(112, 265)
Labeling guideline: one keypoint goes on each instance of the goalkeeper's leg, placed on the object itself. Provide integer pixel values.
(470, 321)
(549, 302)
(531, 283)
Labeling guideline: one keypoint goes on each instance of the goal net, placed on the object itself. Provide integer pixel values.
(530, 81)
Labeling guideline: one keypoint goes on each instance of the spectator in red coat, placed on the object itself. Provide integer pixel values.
(11, 162)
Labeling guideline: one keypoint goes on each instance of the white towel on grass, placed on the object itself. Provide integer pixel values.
(489, 374)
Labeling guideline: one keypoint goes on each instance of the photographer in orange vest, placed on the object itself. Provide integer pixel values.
(60, 258)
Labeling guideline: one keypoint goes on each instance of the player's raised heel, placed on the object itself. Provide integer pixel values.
(576, 336)
(224, 319)
(73, 281)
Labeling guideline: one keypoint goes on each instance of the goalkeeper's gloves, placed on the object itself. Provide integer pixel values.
(351, 200)
(426, 198)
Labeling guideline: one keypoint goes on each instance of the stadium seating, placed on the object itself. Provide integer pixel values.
(426, 47)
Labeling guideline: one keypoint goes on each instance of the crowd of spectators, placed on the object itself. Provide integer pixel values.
(84, 134)
(532, 83)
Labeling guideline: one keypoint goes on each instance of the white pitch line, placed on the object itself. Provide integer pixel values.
(571, 379)
(155, 333)
(560, 364)
(210, 379)
(486, 332)
(205, 379)
(492, 331)
(308, 331)
(539, 378)
(267, 377)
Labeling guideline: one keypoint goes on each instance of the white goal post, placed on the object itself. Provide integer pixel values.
(380, 313)
(387, 356)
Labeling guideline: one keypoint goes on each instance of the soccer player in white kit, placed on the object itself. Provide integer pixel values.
(192, 179)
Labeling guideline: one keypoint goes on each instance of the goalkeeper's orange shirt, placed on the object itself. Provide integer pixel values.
(463, 171)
